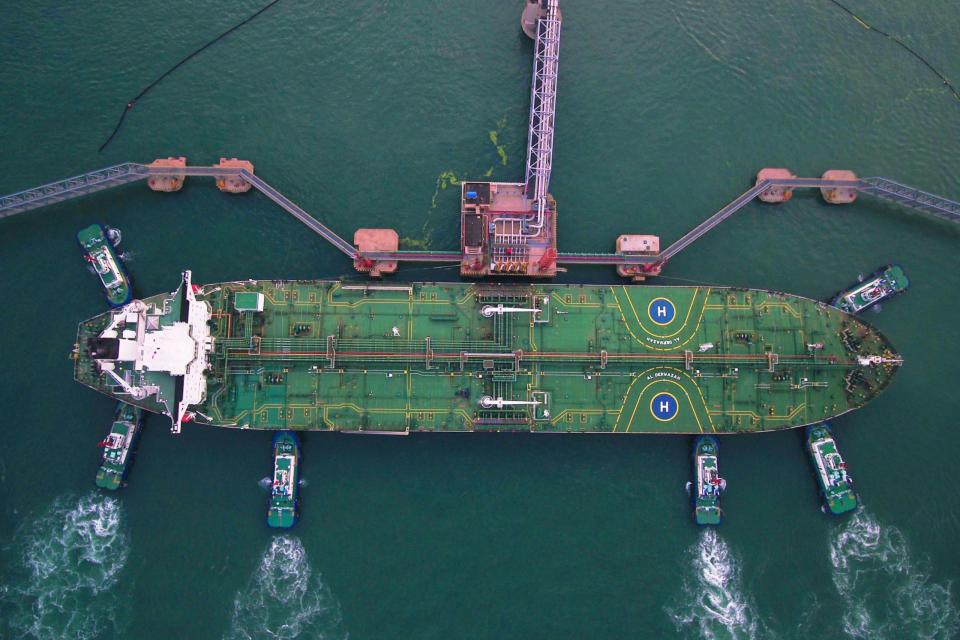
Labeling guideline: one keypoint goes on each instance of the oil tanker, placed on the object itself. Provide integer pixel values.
(397, 358)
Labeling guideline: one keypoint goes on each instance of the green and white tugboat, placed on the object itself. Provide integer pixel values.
(284, 502)
(119, 446)
(836, 486)
(884, 283)
(707, 484)
(99, 252)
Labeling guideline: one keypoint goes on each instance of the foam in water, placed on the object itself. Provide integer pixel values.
(265, 483)
(67, 565)
(286, 599)
(887, 593)
(713, 604)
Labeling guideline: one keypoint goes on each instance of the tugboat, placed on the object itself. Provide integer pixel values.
(836, 486)
(883, 283)
(99, 252)
(707, 485)
(118, 446)
(284, 503)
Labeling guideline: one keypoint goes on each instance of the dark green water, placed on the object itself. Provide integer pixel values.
(356, 111)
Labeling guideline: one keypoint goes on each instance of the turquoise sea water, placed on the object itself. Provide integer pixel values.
(359, 112)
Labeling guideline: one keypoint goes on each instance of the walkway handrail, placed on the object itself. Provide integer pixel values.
(741, 201)
(312, 223)
(131, 171)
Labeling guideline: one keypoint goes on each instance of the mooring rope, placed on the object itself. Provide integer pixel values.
(869, 27)
(166, 73)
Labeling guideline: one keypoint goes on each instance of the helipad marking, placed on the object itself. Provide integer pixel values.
(661, 311)
(664, 406)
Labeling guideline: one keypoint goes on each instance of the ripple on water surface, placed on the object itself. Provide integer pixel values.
(713, 603)
(65, 570)
(286, 599)
(886, 592)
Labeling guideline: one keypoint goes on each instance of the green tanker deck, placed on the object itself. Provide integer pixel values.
(323, 355)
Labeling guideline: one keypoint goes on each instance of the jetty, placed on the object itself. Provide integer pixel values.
(507, 228)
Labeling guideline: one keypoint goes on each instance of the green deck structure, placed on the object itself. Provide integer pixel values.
(836, 486)
(103, 259)
(707, 484)
(119, 446)
(284, 502)
(882, 284)
(395, 358)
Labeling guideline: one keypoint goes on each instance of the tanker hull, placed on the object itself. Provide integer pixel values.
(396, 358)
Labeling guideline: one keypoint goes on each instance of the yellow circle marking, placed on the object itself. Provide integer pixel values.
(663, 324)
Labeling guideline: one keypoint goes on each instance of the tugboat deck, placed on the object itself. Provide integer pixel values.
(102, 258)
(883, 284)
(835, 483)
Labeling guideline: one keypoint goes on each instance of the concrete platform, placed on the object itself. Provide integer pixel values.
(775, 194)
(530, 16)
(234, 184)
(375, 240)
(644, 245)
(528, 20)
(839, 195)
(167, 184)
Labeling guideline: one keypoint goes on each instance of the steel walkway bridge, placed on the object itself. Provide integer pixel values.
(883, 188)
(543, 102)
(543, 107)
(129, 172)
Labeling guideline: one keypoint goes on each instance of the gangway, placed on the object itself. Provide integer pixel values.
(697, 232)
(312, 223)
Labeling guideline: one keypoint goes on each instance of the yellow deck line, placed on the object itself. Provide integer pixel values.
(790, 416)
(659, 335)
(674, 382)
(693, 334)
